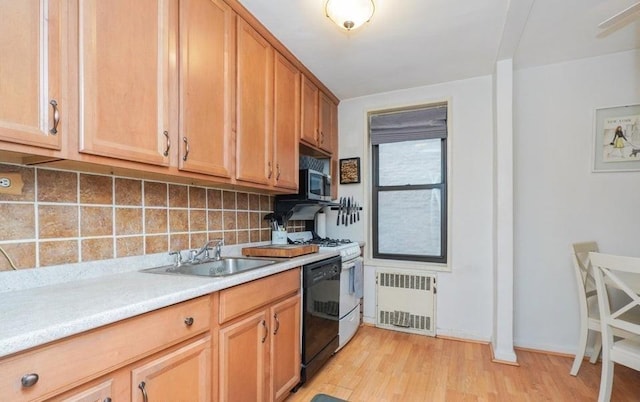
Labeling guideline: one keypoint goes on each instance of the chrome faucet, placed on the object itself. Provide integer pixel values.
(205, 250)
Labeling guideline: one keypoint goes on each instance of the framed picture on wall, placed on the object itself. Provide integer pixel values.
(349, 170)
(616, 144)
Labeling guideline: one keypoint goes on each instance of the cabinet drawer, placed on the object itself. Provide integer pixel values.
(75, 360)
(243, 298)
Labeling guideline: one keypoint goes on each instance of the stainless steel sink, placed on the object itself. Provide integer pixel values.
(215, 268)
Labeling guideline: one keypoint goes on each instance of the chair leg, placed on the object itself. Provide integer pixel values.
(582, 347)
(606, 381)
(597, 348)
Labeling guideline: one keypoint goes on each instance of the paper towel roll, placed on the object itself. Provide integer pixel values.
(321, 224)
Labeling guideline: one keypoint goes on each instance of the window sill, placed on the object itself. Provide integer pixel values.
(417, 265)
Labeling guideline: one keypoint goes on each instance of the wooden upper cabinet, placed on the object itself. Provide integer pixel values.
(254, 106)
(286, 122)
(326, 110)
(125, 51)
(31, 103)
(309, 113)
(207, 67)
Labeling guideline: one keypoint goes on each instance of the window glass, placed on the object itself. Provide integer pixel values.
(410, 162)
(409, 222)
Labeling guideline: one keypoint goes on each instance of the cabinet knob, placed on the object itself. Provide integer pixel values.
(189, 321)
(107, 399)
(29, 380)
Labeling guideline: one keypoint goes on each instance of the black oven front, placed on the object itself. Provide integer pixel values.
(321, 312)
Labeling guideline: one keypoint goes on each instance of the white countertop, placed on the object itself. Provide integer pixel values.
(32, 316)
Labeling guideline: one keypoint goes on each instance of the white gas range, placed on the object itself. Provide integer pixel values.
(351, 280)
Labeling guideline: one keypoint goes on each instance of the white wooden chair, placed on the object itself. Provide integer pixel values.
(588, 303)
(623, 273)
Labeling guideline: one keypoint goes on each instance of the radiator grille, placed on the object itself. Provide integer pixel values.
(405, 319)
(395, 280)
(405, 300)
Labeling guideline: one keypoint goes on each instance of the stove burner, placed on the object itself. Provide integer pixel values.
(324, 242)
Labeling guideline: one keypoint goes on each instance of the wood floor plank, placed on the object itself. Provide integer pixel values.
(388, 366)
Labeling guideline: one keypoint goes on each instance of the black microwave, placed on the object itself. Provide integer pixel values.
(314, 185)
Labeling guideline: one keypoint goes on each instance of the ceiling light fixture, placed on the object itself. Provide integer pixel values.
(349, 14)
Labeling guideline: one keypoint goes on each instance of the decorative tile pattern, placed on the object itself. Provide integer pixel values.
(18, 221)
(96, 221)
(128, 192)
(67, 217)
(155, 194)
(57, 186)
(97, 249)
(96, 189)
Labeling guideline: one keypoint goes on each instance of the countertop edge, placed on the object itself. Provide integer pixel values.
(183, 288)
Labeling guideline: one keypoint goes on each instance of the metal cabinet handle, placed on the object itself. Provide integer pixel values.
(189, 321)
(107, 399)
(56, 117)
(166, 150)
(186, 150)
(266, 331)
(278, 171)
(29, 380)
(275, 316)
(270, 170)
(143, 388)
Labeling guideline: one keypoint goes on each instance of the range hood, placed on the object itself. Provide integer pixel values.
(302, 210)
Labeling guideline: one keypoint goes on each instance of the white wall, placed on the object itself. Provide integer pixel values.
(558, 200)
(464, 299)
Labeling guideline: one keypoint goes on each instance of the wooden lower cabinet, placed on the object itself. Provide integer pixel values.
(259, 351)
(103, 391)
(179, 375)
(285, 347)
(243, 358)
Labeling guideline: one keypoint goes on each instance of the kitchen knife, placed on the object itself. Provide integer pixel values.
(348, 210)
(344, 211)
(352, 217)
(339, 210)
(358, 212)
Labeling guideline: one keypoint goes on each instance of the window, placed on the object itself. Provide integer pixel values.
(409, 149)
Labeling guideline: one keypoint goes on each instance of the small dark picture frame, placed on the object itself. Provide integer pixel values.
(349, 170)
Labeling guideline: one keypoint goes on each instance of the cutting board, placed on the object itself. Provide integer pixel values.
(280, 250)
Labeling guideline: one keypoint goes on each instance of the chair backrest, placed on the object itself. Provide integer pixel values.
(584, 275)
(623, 273)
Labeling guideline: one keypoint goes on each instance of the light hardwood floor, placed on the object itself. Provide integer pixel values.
(382, 365)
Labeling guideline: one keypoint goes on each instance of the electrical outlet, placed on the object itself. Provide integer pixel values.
(11, 183)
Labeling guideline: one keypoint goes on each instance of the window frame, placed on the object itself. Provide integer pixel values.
(443, 186)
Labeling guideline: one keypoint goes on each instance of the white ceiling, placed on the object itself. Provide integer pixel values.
(410, 43)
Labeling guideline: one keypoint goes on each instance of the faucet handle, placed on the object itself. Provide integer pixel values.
(178, 257)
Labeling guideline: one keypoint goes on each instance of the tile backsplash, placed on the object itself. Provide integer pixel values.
(67, 217)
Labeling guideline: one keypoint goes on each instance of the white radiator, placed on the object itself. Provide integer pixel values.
(405, 301)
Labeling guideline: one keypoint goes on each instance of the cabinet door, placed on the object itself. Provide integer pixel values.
(309, 114)
(254, 106)
(30, 72)
(285, 347)
(102, 392)
(125, 53)
(286, 125)
(326, 111)
(179, 375)
(243, 351)
(207, 46)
